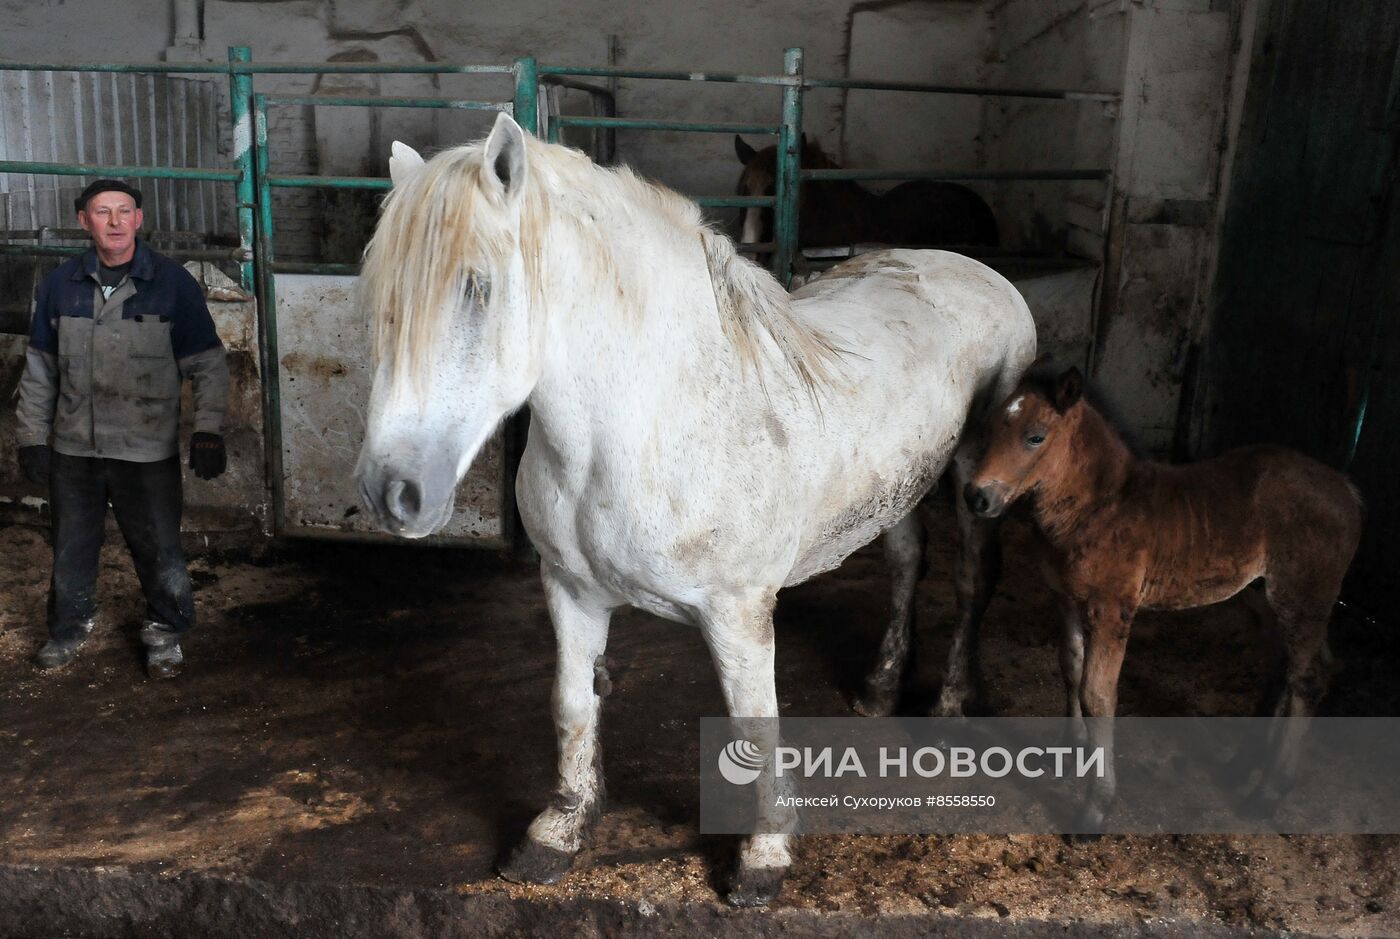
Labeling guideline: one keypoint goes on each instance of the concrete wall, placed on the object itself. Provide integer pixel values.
(1054, 44)
(1183, 62)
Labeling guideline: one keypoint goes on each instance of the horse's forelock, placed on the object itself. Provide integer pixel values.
(436, 231)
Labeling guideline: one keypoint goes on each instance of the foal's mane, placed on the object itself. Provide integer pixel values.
(415, 265)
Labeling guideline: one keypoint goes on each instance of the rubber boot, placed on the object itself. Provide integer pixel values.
(163, 656)
(57, 653)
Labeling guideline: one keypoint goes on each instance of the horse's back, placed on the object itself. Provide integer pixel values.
(931, 305)
(928, 212)
(924, 334)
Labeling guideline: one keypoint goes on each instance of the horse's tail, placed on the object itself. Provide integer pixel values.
(750, 300)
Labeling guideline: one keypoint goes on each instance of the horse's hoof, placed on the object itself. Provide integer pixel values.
(533, 863)
(755, 886)
(874, 703)
(1261, 803)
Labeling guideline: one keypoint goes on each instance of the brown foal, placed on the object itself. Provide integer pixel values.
(1124, 534)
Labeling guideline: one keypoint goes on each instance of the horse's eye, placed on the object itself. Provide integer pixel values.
(1035, 440)
(479, 289)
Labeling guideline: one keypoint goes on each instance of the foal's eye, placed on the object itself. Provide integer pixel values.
(1035, 440)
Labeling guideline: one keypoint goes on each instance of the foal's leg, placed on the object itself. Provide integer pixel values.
(739, 632)
(904, 552)
(1072, 666)
(1303, 611)
(978, 570)
(580, 616)
(1107, 622)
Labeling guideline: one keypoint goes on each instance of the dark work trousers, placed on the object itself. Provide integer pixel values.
(147, 500)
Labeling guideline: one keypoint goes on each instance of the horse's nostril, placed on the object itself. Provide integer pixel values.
(403, 499)
(976, 499)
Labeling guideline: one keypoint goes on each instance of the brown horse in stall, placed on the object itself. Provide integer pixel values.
(831, 213)
(1123, 534)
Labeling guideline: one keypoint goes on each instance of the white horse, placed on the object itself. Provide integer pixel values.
(698, 439)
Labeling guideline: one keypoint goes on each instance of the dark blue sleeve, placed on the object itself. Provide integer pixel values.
(42, 334)
(192, 328)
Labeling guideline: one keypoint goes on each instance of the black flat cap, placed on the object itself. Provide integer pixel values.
(106, 185)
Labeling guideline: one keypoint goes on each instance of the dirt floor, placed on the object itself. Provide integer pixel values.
(376, 718)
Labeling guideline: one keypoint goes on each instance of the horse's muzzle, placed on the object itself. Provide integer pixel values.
(987, 501)
(396, 503)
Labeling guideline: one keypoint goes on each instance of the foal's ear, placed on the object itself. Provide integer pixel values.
(1069, 388)
(404, 161)
(504, 172)
(743, 151)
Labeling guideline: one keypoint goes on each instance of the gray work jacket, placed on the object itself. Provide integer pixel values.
(102, 375)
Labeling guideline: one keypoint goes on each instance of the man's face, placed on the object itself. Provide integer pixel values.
(112, 219)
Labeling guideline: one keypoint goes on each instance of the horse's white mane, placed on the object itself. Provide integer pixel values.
(442, 219)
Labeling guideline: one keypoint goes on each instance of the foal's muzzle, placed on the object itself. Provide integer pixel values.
(987, 501)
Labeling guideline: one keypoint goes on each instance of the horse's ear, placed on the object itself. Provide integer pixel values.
(1069, 388)
(404, 161)
(743, 151)
(504, 171)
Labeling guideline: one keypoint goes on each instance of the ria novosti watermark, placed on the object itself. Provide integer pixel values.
(1007, 775)
(742, 761)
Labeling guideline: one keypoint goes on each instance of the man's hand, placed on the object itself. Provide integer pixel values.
(207, 457)
(34, 463)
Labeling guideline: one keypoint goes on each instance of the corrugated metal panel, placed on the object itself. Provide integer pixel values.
(90, 117)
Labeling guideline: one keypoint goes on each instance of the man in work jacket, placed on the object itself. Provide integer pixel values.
(114, 334)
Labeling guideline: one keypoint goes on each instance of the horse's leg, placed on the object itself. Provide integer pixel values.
(978, 569)
(1107, 621)
(904, 552)
(1303, 611)
(580, 618)
(739, 632)
(1072, 663)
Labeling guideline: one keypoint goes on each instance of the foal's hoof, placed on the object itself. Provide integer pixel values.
(875, 702)
(755, 886)
(533, 863)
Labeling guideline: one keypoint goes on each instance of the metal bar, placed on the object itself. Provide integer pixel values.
(183, 254)
(736, 202)
(526, 105)
(553, 131)
(1059, 93)
(52, 121)
(27, 134)
(295, 181)
(142, 172)
(367, 68)
(343, 101)
(837, 174)
(315, 267)
(644, 123)
(611, 72)
(240, 90)
(153, 146)
(247, 67)
(267, 318)
(162, 236)
(205, 68)
(605, 145)
(788, 184)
